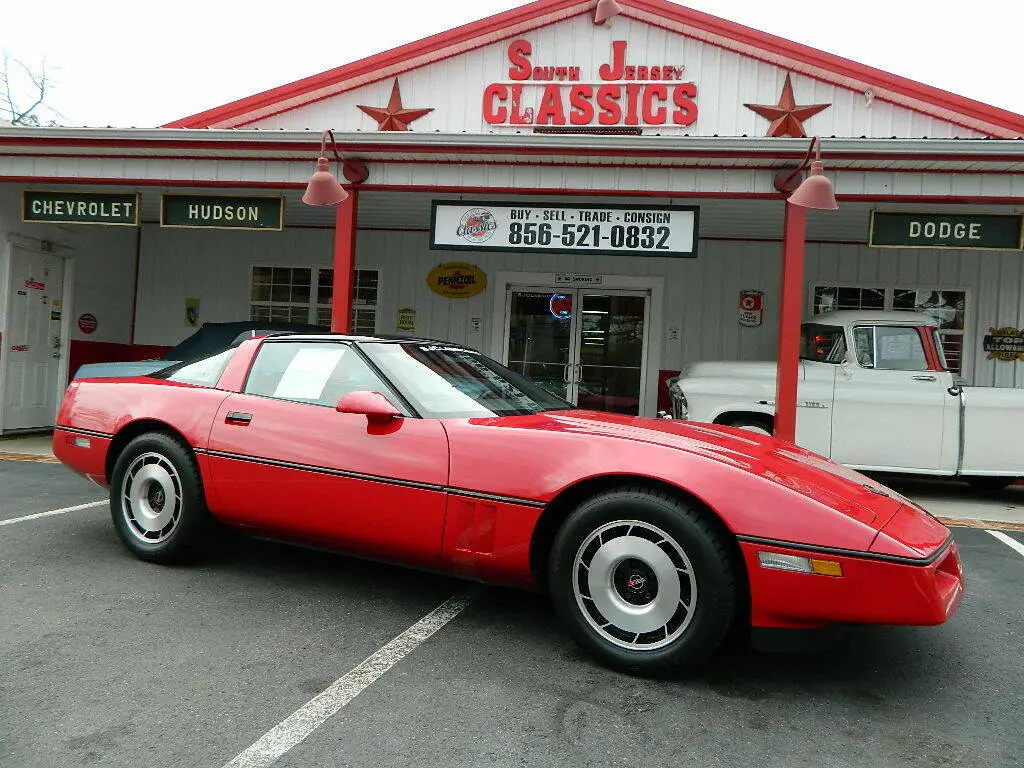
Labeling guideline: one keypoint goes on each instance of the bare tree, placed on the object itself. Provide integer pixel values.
(24, 92)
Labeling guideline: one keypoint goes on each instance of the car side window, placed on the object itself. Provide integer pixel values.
(311, 372)
(822, 343)
(889, 348)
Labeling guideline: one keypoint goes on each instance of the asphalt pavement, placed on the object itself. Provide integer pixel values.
(109, 661)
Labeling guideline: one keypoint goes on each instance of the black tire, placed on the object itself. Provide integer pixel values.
(141, 505)
(750, 422)
(692, 634)
(990, 484)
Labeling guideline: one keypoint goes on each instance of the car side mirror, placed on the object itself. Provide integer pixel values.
(373, 405)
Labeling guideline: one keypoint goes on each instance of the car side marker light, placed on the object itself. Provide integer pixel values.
(83, 442)
(779, 562)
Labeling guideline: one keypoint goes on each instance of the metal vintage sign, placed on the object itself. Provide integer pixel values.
(1005, 344)
(909, 229)
(222, 212)
(584, 228)
(457, 280)
(624, 93)
(80, 207)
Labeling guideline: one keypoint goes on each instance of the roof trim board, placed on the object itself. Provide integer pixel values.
(935, 102)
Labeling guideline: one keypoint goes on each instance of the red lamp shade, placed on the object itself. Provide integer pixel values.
(816, 192)
(605, 10)
(323, 188)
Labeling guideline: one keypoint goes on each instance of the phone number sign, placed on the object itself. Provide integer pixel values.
(628, 230)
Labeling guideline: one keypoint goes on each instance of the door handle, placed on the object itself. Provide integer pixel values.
(238, 419)
(565, 373)
(923, 378)
(578, 372)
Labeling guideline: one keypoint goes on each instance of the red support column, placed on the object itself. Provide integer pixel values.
(790, 316)
(344, 264)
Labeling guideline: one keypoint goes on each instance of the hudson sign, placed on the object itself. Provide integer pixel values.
(622, 92)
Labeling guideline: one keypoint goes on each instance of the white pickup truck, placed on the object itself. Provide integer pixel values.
(875, 394)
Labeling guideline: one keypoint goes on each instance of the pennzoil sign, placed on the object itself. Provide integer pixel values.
(457, 280)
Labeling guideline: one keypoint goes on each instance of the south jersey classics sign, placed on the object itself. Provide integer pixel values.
(630, 230)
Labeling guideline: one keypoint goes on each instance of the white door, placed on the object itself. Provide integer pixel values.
(588, 346)
(32, 340)
(890, 411)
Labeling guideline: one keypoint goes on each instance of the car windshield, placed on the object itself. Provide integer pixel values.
(443, 381)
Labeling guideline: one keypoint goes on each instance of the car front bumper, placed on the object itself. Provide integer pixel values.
(873, 588)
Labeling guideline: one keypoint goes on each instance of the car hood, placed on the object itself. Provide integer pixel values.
(778, 461)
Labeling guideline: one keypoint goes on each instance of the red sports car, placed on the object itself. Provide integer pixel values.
(654, 538)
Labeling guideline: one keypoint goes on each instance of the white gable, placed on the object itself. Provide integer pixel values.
(461, 89)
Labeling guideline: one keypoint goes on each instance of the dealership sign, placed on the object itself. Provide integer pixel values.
(222, 212)
(907, 229)
(629, 230)
(80, 207)
(621, 93)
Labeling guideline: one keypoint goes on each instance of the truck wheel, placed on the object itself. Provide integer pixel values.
(643, 581)
(991, 484)
(751, 424)
(157, 501)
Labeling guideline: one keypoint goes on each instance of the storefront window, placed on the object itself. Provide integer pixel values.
(947, 306)
(303, 295)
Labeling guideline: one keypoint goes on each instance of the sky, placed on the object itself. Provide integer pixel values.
(143, 64)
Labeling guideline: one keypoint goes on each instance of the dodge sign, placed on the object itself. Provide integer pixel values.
(630, 230)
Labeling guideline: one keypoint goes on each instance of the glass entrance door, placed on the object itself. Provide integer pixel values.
(585, 345)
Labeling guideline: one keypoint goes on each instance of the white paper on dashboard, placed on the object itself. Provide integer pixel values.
(308, 372)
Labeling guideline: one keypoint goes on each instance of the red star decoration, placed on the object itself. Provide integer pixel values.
(394, 117)
(786, 116)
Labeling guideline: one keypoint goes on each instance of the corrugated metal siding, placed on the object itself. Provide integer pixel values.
(522, 177)
(994, 281)
(104, 267)
(701, 295)
(726, 80)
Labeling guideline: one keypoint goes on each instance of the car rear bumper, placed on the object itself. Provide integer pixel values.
(873, 588)
(83, 451)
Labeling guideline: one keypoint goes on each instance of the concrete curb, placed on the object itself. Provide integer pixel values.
(29, 457)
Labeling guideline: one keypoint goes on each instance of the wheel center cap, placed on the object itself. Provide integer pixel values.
(635, 582)
(156, 497)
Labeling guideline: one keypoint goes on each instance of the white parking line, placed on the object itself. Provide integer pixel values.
(314, 713)
(52, 512)
(1009, 541)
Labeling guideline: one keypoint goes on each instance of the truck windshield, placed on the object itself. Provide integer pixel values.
(446, 381)
(822, 343)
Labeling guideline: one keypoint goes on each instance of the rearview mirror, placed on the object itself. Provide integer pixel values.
(373, 405)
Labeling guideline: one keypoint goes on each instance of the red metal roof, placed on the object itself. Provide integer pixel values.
(987, 119)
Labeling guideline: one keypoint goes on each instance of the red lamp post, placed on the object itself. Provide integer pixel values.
(815, 193)
(324, 189)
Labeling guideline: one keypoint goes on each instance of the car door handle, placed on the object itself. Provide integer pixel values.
(238, 419)
(923, 378)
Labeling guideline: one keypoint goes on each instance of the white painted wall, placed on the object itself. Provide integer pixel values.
(214, 266)
(726, 81)
(104, 266)
(701, 295)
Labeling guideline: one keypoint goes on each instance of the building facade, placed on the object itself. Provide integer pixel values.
(594, 204)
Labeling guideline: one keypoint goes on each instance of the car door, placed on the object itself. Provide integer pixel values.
(890, 408)
(285, 461)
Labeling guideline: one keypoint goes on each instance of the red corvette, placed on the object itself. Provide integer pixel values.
(653, 537)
